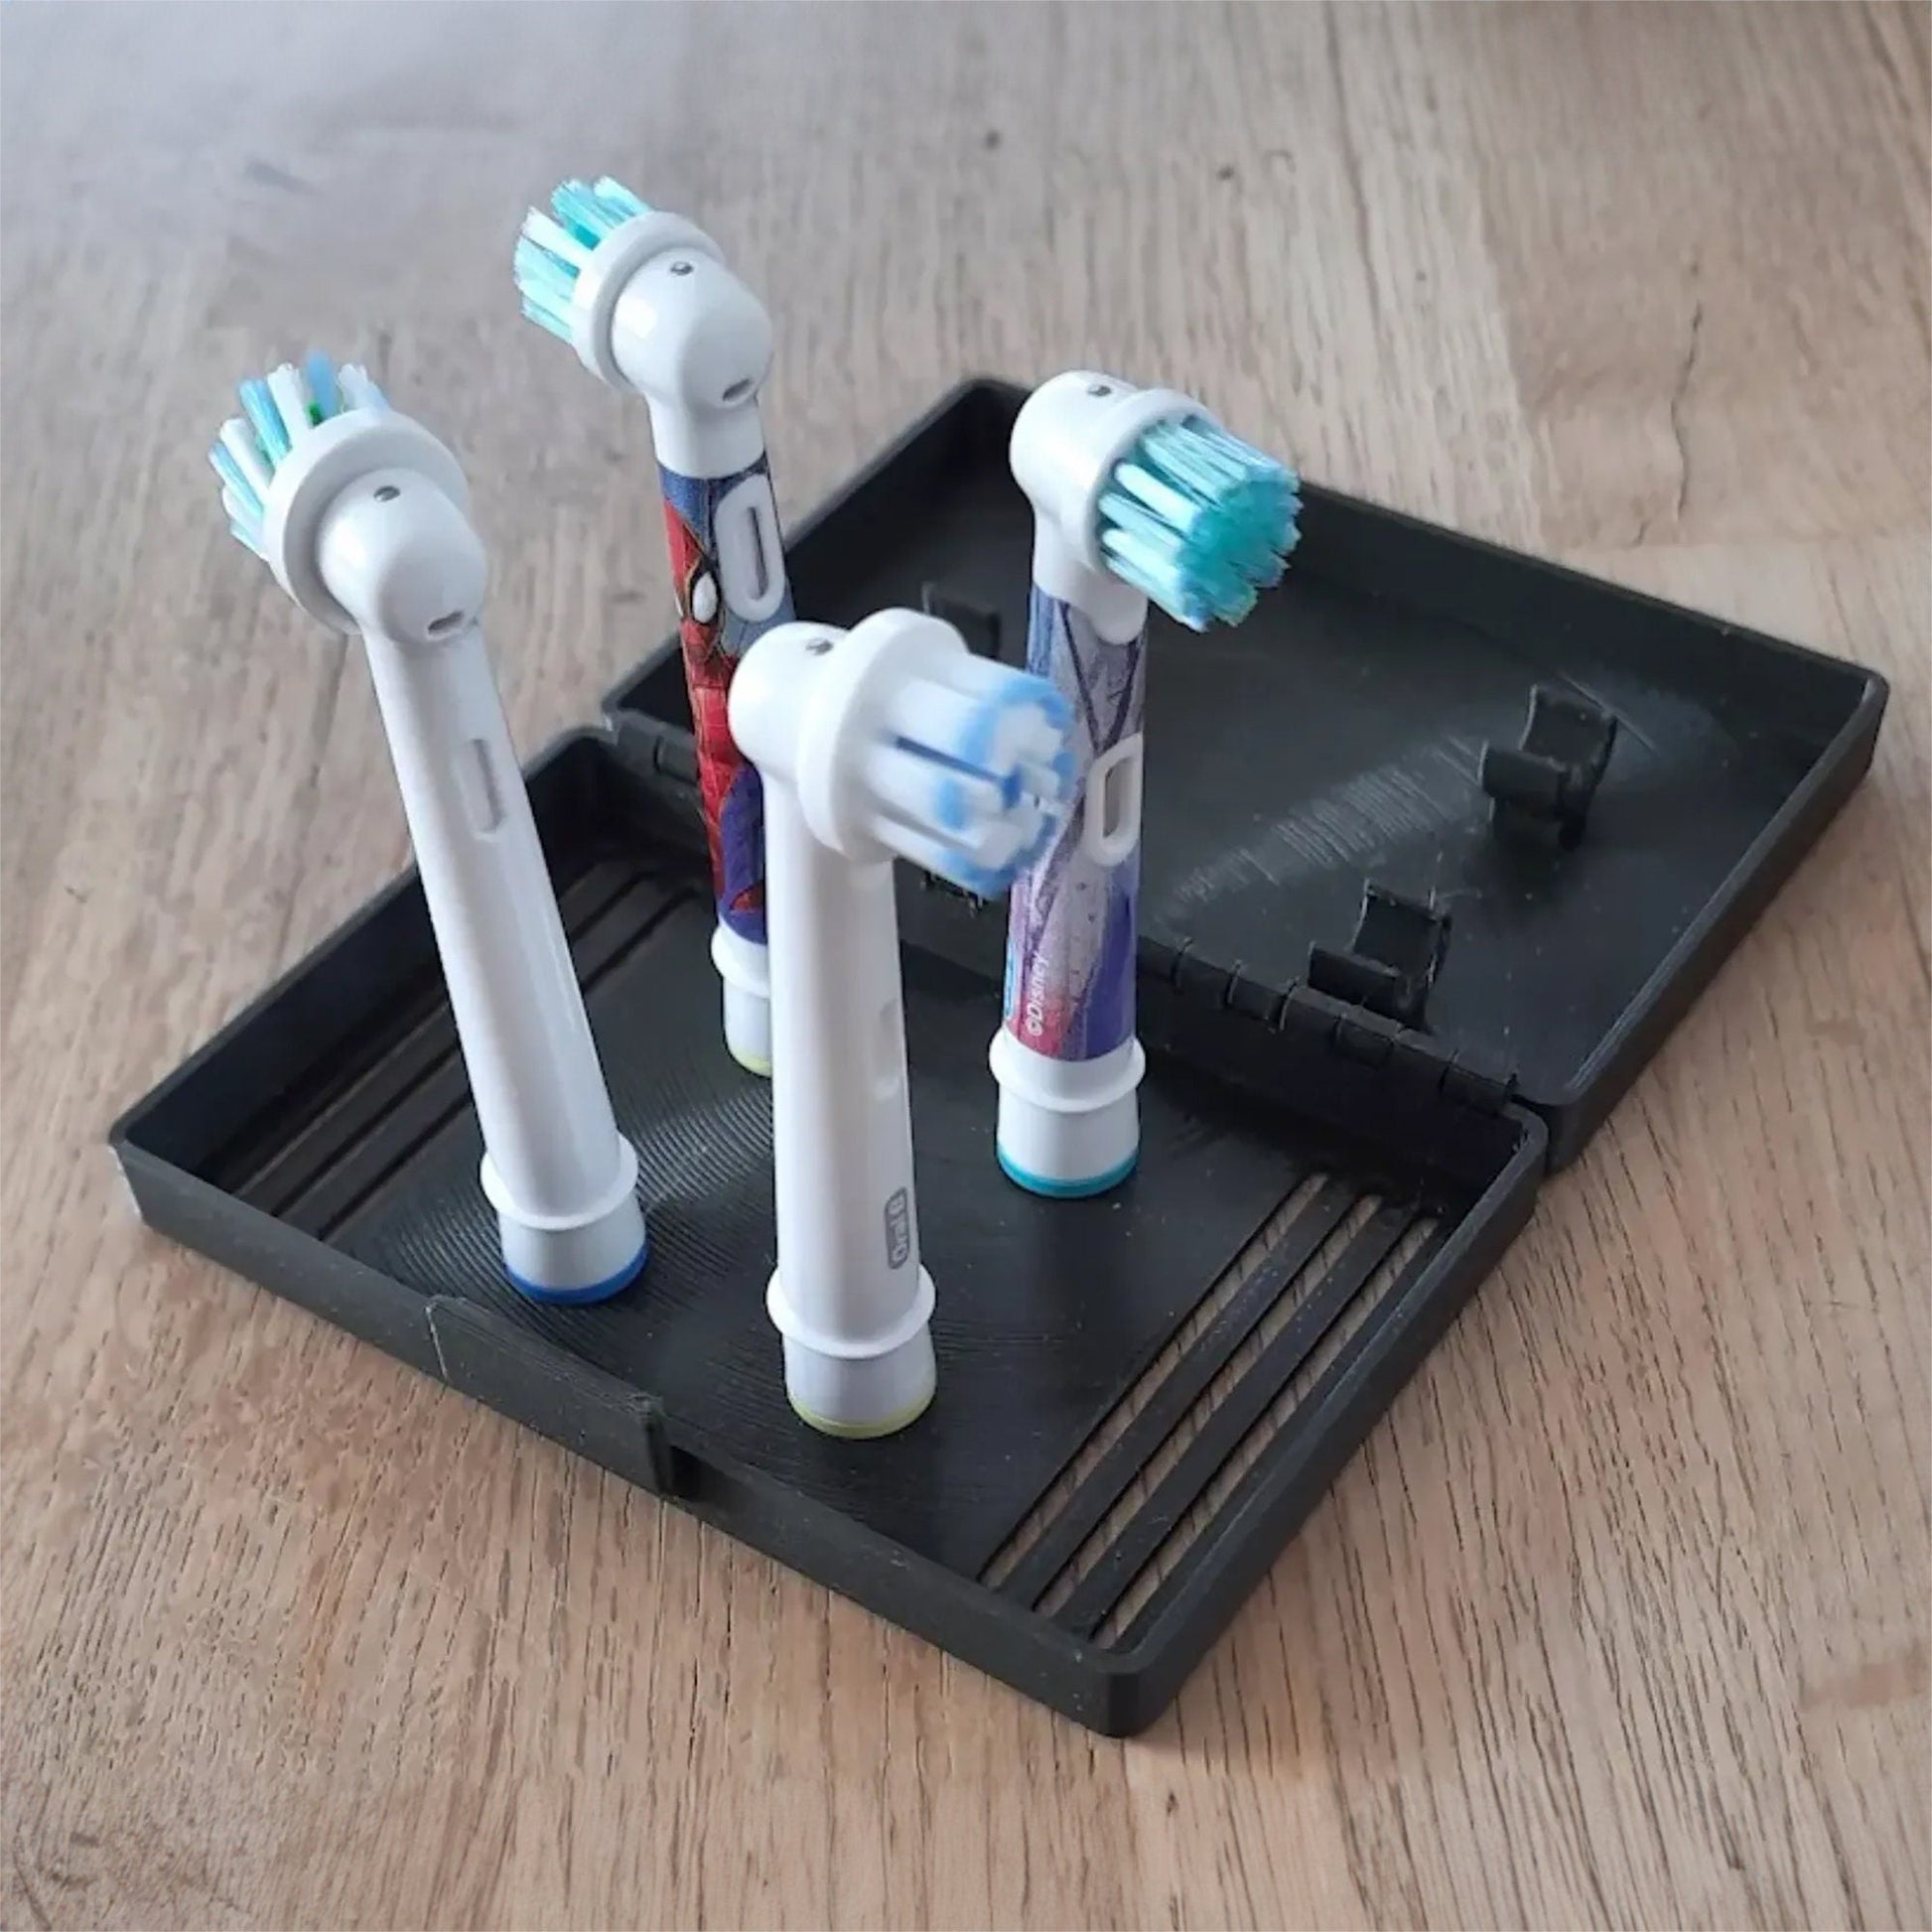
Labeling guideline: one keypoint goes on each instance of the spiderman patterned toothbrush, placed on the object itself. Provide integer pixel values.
(888, 739)
(648, 302)
(360, 513)
(1137, 494)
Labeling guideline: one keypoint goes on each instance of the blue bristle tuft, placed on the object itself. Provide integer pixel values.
(277, 412)
(1200, 520)
(270, 431)
(230, 473)
(553, 250)
(991, 748)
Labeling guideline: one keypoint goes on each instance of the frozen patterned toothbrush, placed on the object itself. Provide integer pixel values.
(361, 514)
(890, 739)
(648, 302)
(1137, 494)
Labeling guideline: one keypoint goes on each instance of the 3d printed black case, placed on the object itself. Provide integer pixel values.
(1438, 845)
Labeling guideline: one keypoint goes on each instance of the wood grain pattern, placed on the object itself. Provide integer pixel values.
(1621, 1617)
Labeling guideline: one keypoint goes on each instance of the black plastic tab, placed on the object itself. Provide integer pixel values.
(1546, 784)
(931, 882)
(978, 623)
(1393, 959)
(661, 749)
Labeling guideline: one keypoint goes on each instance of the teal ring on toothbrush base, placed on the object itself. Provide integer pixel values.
(1065, 1189)
(578, 1298)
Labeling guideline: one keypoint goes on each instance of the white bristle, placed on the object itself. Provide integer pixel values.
(358, 392)
(934, 716)
(556, 238)
(966, 786)
(934, 855)
(281, 412)
(244, 521)
(1040, 743)
(978, 677)
(1002, 839)
(1040, 780)
(240, 442)
(924, 792)
(1010, 738)
(291, 395)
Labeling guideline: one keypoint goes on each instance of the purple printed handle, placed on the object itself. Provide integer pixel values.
(1071, 928)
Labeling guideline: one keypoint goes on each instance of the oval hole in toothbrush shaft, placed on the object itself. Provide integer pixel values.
(1113, 821)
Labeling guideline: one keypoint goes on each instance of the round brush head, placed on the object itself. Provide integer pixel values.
(967, 772)
(280, 411)
(304, 440)
(1198, 520)
(899, 740)
(1145, 487)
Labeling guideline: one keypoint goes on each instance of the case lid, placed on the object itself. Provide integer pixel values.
(1518, 810)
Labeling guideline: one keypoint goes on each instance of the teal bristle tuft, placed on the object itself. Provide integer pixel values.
(1198, 520)
(276, 437)
(278, 411)
(553, 250)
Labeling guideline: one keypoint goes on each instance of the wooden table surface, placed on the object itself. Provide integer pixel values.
(1621, 1617)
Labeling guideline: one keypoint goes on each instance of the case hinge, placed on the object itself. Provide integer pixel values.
(1415, 1059)
(1419, 1064)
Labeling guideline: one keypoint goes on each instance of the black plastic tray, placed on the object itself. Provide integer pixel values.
(1141, 1397)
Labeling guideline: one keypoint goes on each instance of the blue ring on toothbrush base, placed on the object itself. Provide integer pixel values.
(1036, 1184)
(577, 1298)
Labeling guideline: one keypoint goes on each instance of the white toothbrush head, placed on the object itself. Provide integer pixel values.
(646, 300)
(1145, 485)
(280, 412)
(312, 444)
(555, 249)
(899, 740)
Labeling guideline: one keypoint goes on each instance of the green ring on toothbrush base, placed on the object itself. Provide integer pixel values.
(863, 1432)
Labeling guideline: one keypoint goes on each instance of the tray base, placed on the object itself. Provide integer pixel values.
(1119, 1377)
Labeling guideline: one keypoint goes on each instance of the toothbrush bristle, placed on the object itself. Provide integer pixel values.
(325, 391)
(974, 774)
(278, 411)
(552, 249)
(1200, 520)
